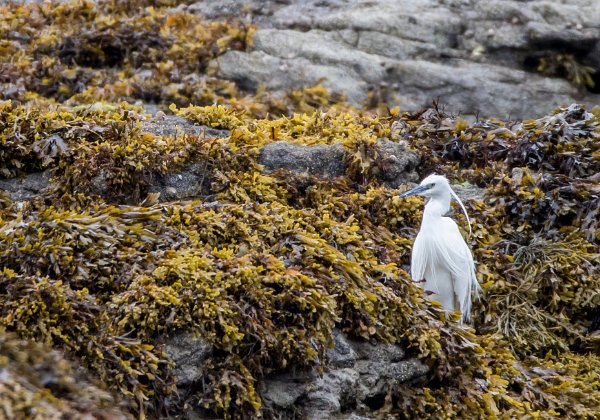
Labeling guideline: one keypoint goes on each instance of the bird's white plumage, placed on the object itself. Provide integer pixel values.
(440, 255)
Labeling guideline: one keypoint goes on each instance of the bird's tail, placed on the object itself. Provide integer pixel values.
(465, 305)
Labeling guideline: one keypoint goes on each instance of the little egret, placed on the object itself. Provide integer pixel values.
(440, 255)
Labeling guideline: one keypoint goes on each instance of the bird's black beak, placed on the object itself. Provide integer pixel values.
(418, 189)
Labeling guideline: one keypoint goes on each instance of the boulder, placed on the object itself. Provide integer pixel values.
(357, 378)
(476, 57)
(172, 125)
(324, 159)
(394, 164)
(188, 352)
(27, 187)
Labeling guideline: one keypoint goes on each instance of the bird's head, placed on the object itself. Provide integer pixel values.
(437, 186)
(432, 186)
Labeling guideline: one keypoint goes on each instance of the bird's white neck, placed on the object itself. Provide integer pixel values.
(437, 206)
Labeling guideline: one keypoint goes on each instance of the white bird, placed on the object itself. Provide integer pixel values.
(440, 255)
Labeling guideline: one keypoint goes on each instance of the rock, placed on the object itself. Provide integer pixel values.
(256, 68)
(384, 353)
(330, 393)
(325, 160)
(513, 91)
(468, 191)
(191, 182)
(320, 50)
(376, 377)
(394, 165)
(27, 187)
(342, 354)
(188, 352)
(477, 57)
(283, 390)
(173, 125)
(546, 35)
(356, 381)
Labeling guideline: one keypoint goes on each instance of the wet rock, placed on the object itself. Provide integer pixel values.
(358, 376)
(326, 160)
(188, 352)
(191, 182)
(173, 125)
(394, 165)
(27, 187)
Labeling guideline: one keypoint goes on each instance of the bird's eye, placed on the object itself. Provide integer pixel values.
(431, 185)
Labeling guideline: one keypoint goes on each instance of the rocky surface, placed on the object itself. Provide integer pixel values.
(357, 377)
(27, 187)
(188, 352)
(326, 160)
(173, 125)
(478, 57)
(394, 164)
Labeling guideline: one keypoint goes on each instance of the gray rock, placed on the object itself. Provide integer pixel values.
(545, 34)
(469, 54)
(188, 352)
(191, 182)
(27, 187)
(256, 68)
(377, 377)
(173, 125)
(512, 91)
(320, 50)
(325, 160)
(395, 48)
(99, 183)
(468, 191)
(383, 353)
(330, 393)
(357, 379)
(342, 354)
(283, 390)
(394, 165)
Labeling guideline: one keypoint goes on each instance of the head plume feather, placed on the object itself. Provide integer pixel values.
(463, 209)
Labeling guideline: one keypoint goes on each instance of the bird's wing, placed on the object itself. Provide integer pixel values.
(420, 257)
(443, 246)
(459, 260)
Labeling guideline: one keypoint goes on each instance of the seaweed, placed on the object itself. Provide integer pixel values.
(265, 265)
(39, 383)
(567, 66)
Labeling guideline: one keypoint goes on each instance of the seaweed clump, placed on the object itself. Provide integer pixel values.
(263, 266)
(39, 383)
(268, 264)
